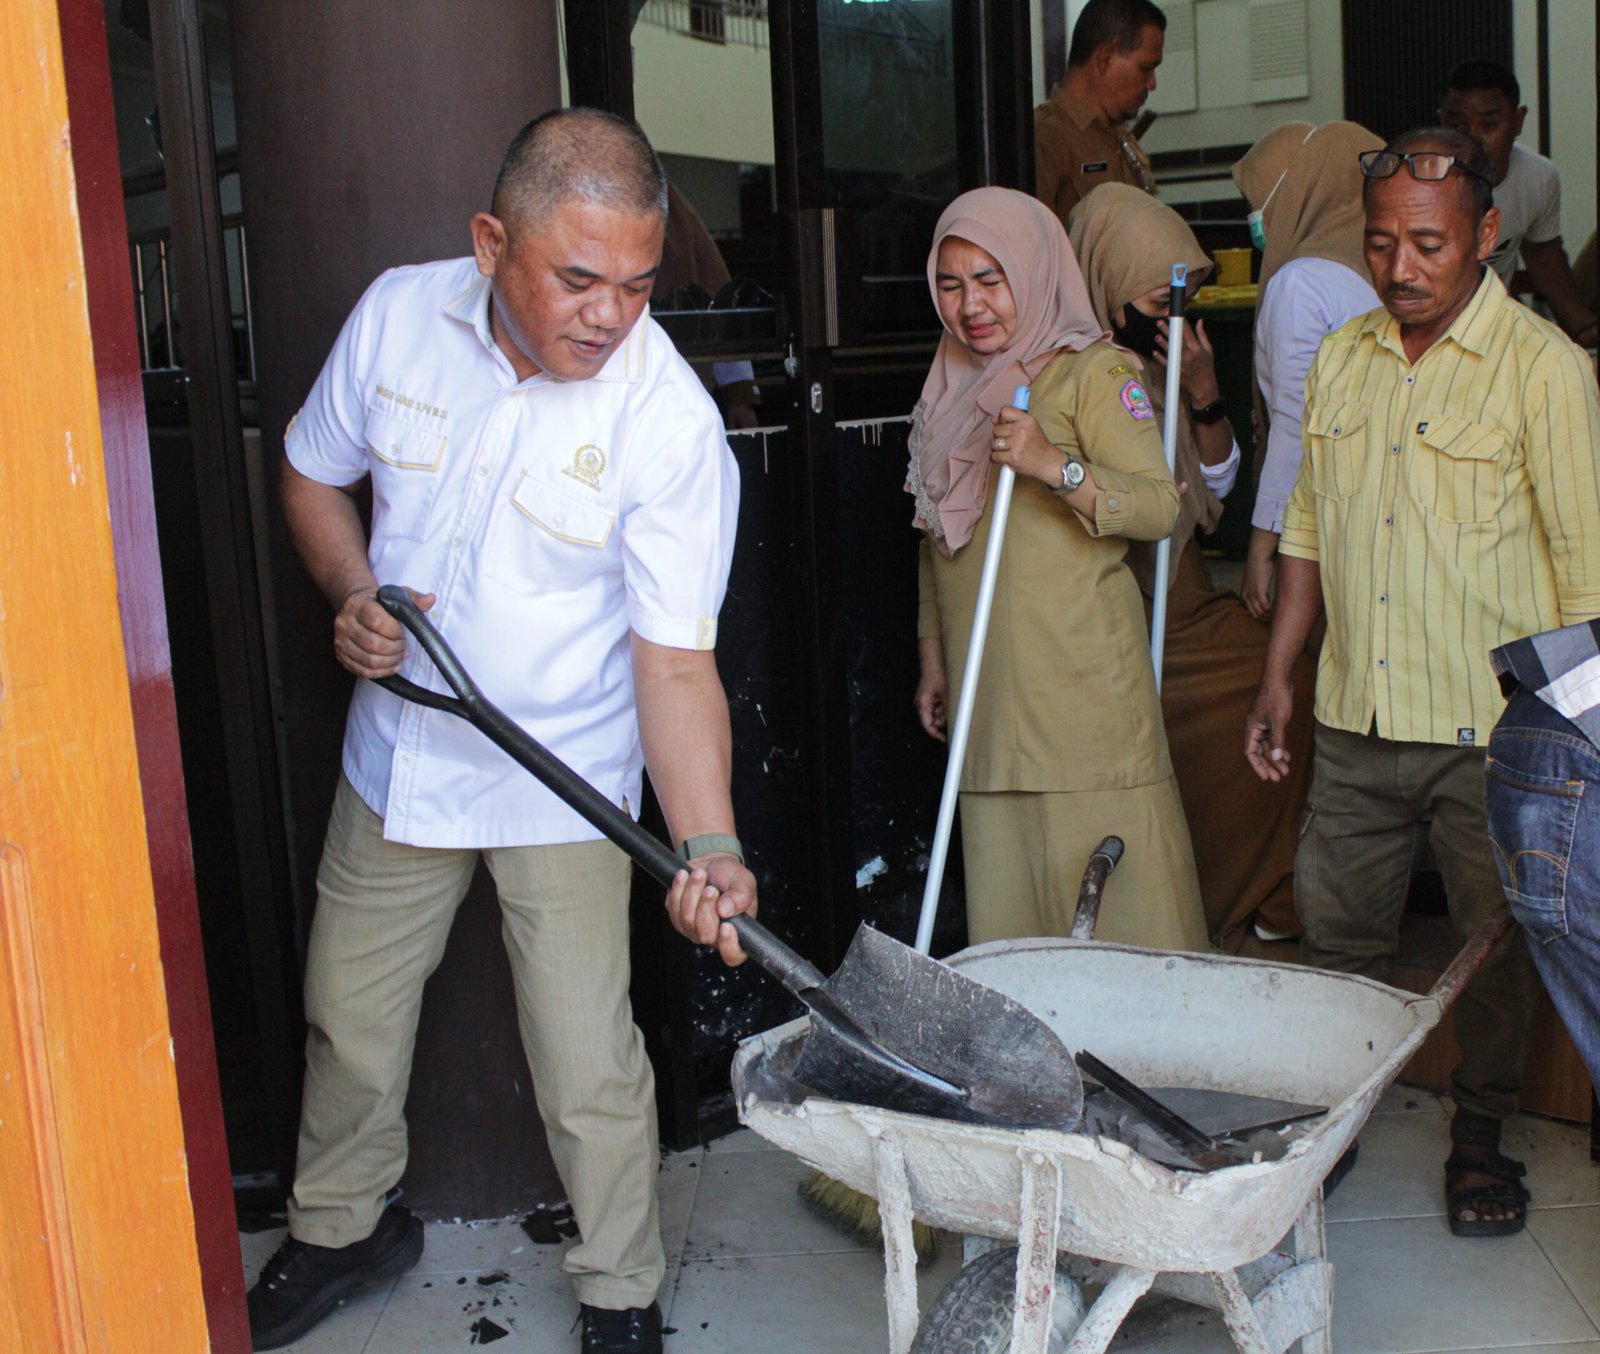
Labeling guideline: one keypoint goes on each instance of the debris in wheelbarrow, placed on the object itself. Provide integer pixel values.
(1238, 1129)
(892, 1028)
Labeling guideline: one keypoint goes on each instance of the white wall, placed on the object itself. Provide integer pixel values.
(1572, 109)
(705, 99)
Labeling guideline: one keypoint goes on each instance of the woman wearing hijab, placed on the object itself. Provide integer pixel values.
(1304, 185)
(1244, 830)
(1066, 744)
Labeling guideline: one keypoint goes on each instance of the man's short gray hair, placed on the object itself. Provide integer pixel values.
(1470, 156)
(578, 155)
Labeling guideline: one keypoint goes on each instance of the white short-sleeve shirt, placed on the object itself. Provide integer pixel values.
(1529, 198)
(550, 517)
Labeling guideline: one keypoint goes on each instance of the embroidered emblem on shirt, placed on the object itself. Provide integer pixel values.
(1422, 427)
(1136, 402)
(1098, 167)
(588, 462)
(1466, 738)
(1120, 370)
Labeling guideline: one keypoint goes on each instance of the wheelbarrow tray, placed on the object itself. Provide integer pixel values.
(1163, 1019)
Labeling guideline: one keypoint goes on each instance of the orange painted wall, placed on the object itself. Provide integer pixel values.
(97, 1249)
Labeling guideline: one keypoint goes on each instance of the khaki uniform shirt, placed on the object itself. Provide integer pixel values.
(1453, 506)
(1076, 150)
(1067, 697)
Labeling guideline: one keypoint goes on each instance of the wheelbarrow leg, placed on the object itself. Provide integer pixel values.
(899, 1251)
(1126, 1286)
(1311, 1247)
(1036, 1252)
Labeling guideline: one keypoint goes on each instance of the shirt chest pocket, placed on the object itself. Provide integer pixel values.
(1336, 449)
(408, 459)
(1457, 473)
(547, 538)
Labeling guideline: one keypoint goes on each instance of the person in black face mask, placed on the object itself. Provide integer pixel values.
(1139, 331)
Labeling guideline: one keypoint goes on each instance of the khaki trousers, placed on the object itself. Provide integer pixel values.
(1374, 803)
(383, 914)
(1025, 852)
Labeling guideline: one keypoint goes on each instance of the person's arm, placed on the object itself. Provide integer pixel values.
(932, 699)
(1551, 276)
(1266, 727)
(688, 748)
(1128, 490)
(1562, 445)
(326, 529)
(1198, 378)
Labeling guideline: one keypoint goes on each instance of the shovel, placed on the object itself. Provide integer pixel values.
(891, 1028)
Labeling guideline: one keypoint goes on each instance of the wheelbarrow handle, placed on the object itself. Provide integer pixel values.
(796, 973)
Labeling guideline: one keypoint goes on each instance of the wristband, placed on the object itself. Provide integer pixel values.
(711, 844)
(1210, 413)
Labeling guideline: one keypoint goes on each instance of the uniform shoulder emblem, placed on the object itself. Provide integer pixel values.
(1120, 370)
(1136, 401)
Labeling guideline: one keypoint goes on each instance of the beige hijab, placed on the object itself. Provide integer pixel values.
(1127, 242)
(1309, 179)
(950, 427)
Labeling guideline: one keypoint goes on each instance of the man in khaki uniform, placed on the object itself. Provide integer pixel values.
(1444, 507)
(1081, 137)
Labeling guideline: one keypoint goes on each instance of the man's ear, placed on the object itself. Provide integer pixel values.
(488, 242)
(1488, 233)
(1104, 55)
(1518, 119)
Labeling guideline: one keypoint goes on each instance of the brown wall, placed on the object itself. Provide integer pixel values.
(369, 132)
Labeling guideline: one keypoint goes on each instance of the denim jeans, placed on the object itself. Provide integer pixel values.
(1542, 789)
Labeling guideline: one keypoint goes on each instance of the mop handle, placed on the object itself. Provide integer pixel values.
(1169, 435)
(969, 693)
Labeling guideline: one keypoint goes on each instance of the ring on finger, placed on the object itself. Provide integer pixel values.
(999, 444)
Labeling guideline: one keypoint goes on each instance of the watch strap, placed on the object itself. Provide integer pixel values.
(711, 844)
(1209, 413)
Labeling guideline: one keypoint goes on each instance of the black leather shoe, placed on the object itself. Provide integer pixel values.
(634, 1331)
(302, 1283)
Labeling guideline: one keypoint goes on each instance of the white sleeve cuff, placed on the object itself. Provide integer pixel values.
(1221, 478)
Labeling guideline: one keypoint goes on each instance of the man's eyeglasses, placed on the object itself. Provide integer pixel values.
(1429, 166)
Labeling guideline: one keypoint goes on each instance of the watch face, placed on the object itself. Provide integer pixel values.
(1072, 473)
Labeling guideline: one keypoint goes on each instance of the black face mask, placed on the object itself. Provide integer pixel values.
(1138, 331)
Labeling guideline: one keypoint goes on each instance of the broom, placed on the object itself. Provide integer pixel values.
(852, 1212)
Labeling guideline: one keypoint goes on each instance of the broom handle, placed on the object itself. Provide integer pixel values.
(1158, 608)
(969, 693)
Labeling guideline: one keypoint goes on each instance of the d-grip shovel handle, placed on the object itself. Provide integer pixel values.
(794, 972)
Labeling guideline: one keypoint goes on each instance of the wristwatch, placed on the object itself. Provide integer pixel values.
(1072, 474)
(1210, 413)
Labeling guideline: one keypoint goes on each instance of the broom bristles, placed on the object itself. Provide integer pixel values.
(856, 1214)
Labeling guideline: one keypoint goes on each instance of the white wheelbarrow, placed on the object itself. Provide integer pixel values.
(1084, 1208)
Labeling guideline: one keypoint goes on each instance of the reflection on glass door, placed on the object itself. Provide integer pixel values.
(889, 137)
(703, 95)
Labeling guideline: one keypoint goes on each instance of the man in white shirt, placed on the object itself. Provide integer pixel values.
(1484, 100)
(550, 481)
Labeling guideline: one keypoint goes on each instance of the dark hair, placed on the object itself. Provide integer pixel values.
(1486, 75)
(578, 154)
(1469, 153)
(1119, 22)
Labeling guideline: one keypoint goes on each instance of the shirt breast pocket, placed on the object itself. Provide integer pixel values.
(1457, 475)
(1337, 450)
(408, 460)
(548, 539)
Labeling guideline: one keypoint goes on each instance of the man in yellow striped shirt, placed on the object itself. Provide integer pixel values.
(1449, 502)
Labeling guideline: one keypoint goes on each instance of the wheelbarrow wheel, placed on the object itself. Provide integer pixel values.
(974, 1312)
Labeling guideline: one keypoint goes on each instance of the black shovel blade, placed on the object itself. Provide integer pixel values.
(979, 1056)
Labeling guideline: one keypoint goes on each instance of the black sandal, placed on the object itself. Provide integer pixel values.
(1507, 1189)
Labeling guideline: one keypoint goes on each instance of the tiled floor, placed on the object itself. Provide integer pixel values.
(751, 1270)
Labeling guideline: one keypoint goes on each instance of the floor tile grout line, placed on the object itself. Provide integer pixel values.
(1555, 1268)
(394, 1287)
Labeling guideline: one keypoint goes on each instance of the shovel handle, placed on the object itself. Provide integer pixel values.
(652, 856)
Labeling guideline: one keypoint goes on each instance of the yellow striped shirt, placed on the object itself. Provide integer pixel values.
(1453, 505)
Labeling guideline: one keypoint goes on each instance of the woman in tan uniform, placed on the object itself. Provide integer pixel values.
(1066, 743)
(1245, 830)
